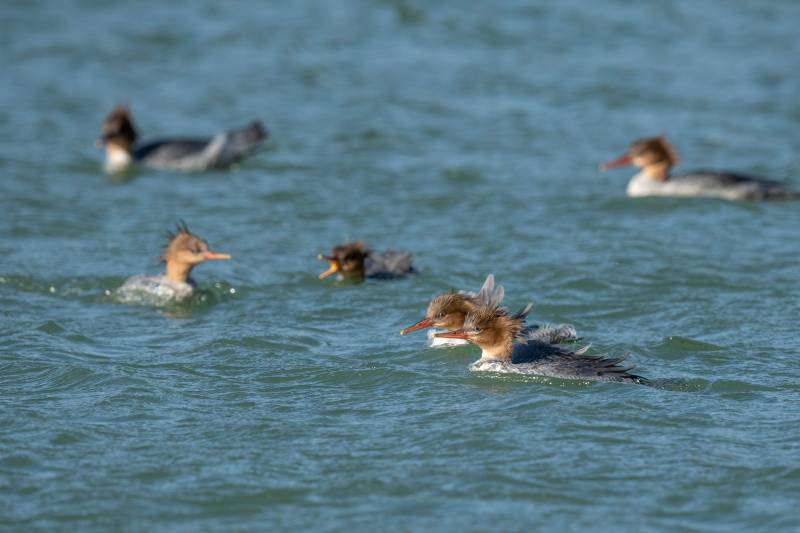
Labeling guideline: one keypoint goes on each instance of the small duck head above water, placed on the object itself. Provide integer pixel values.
(492, 329)
(346, 261)
(118, 137)
(184, 251)
(655, 156)
(446, 311)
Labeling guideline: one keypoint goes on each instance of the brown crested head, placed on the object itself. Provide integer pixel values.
(184, 251)
(449, 310)
(347, 260)
(491, 325)
(654, 150)
(446, 311)
(118, 129)
(645, 153)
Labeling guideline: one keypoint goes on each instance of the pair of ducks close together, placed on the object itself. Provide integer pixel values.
(654, 156)
(506, 343)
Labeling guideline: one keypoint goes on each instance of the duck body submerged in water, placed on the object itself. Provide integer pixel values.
(447, 312)
(183, 252)
(656, 157)
(355, 261)
(497, 334)
(119, 138)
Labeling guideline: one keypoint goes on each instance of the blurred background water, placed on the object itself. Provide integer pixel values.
(468, 134)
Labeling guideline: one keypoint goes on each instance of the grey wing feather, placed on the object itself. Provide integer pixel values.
(583, 350)
(523, 313)
(486, 289)
(229, 147)
(550, 334)
(491, 295)
(390, 264)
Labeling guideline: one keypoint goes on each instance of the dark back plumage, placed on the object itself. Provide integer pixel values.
(554, 361)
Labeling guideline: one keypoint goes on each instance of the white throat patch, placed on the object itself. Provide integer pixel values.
(117, 159)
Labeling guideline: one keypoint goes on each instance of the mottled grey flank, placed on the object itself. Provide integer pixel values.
(544, 359)
(389, 264)
(221, 151)
(738, 186)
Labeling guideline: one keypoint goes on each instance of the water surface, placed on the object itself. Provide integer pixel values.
(470, 136)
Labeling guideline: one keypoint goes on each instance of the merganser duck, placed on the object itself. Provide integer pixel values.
(656, 156)
(354, 261)
(183, 252)
(221, 151)
(448, 311)
(494, 331)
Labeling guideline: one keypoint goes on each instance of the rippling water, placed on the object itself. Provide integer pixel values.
(469, 135)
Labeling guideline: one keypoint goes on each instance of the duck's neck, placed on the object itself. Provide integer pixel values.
(501, 350)
(178, 272)
(657, 171)
(117, 158)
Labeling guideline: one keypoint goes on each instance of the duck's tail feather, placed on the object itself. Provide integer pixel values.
(242, 141)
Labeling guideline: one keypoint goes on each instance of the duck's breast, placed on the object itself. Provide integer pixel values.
(152, 290)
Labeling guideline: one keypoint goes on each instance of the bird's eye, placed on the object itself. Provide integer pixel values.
(441, 315)
(476, 330)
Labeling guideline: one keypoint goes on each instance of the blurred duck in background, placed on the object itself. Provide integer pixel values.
(447, 312)
(183, 252)
(503, 350)
(656, 157)
(354, 261)
(119, 138)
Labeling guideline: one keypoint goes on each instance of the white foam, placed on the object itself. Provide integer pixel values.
(152, 290)
(493, 365)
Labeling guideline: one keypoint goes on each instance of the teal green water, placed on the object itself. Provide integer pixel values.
(469, 135)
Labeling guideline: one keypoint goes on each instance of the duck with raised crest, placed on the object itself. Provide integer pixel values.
(355, 261)
(183, 252)
(119, 138)
(448, 311)
(498, 335)
(656, 157)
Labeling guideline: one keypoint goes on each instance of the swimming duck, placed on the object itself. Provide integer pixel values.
(495, 332)
(354, 261)
(656, 157)
(448, 311)
(183, 252)
(221, 151)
